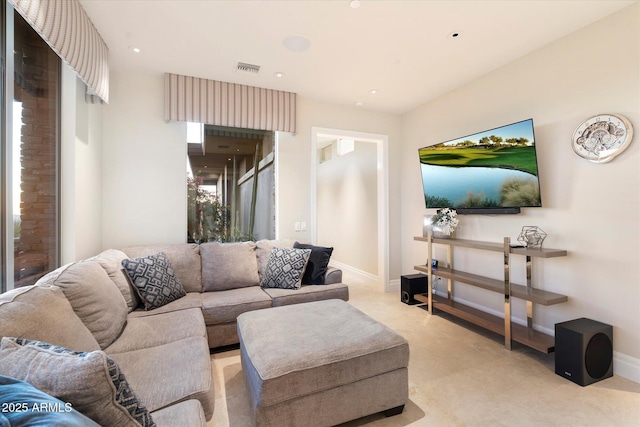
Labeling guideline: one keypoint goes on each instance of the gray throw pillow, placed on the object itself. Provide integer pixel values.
(285, 268)
(90, 381)
(154, 279)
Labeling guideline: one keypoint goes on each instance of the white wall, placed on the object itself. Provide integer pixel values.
(81, 180)
(294, 163)
(591, 210)
(348, 206)
(143, 166)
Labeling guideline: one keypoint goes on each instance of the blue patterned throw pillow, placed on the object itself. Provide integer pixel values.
(154, 280)
(285, 268)
(89, 382)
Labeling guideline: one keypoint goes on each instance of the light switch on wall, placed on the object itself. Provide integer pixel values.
(298, 226)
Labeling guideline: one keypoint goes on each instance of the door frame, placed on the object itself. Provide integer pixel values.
(382, 148)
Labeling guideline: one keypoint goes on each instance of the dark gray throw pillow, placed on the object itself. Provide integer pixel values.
(285, 268)
(154, 279)
(318, 263)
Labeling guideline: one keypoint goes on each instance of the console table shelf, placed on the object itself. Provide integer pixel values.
(537, 296)
(496, 247)
(521, 334)
(501, 325)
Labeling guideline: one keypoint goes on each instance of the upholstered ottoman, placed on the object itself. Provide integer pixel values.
(320, 364)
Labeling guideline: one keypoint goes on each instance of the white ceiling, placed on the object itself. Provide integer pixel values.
(401, 48)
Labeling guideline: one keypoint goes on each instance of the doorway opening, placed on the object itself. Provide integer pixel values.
(351, 167)
(230, 184)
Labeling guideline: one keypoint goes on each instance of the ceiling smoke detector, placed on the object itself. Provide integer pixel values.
(247, 68)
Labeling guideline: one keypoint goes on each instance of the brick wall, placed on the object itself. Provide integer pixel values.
(36, 86)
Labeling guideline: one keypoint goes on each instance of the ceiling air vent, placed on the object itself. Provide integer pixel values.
(247, 68)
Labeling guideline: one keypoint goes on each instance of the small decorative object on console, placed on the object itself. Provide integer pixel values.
(532, 237)
(444, 223)
(600, 138)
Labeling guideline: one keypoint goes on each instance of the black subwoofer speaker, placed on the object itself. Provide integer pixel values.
(411, 285)
(584, 351)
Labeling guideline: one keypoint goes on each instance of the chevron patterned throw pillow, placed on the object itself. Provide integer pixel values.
(154, 280)
(285, 268)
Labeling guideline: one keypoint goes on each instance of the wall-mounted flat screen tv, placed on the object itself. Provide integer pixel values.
(495, 171)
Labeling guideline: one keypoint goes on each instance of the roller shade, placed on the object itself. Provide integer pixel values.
(66, 28)
(192, 99)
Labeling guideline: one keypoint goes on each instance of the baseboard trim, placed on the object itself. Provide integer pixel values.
(345, 267)
(394, 286)
(626, 366)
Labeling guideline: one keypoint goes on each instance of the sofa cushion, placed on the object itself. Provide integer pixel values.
(191, 300)
(226, 306)
(263, 251)
(43, 313)
(151, 331)
(318, 263)
(111, 261)
(228, 265)
(91, 381)
(23, 401)
(187, 413)
(154, 280)
(185, 259)
(170, 373)
(92, 293)
(285, 268)
(308, 293)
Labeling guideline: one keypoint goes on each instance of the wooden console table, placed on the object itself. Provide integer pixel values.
(501, 325)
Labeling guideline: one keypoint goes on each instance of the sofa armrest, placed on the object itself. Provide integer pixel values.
(334, 275)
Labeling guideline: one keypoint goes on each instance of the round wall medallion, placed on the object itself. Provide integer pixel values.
(600, 138)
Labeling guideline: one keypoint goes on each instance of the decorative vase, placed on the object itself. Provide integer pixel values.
(442, 232)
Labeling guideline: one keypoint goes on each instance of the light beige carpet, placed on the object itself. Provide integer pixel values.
(459, 375)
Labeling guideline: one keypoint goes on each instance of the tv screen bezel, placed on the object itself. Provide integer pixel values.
(492, 209)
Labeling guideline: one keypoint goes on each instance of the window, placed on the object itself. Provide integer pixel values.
(226, 199)
(30, 168)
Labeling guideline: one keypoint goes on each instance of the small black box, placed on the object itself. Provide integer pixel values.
(584, 350)
(411, 285)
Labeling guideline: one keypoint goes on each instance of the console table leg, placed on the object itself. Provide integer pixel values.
(449, 281)
(430, 273)
(529, 263)
(507, 293)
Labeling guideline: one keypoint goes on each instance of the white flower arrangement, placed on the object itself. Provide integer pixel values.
(446, 219)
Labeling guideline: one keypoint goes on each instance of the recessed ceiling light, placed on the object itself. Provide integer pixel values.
(136, 50)
(359, 103)
(373, 91)
(297, 43)
(278, 74)
(354, 4)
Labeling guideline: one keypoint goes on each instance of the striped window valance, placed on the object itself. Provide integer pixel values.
(67, 29)
(192, 99)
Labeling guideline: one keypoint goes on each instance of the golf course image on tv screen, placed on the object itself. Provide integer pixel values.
(495, 168)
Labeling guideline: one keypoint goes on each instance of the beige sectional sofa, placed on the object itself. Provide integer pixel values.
(164, 353)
